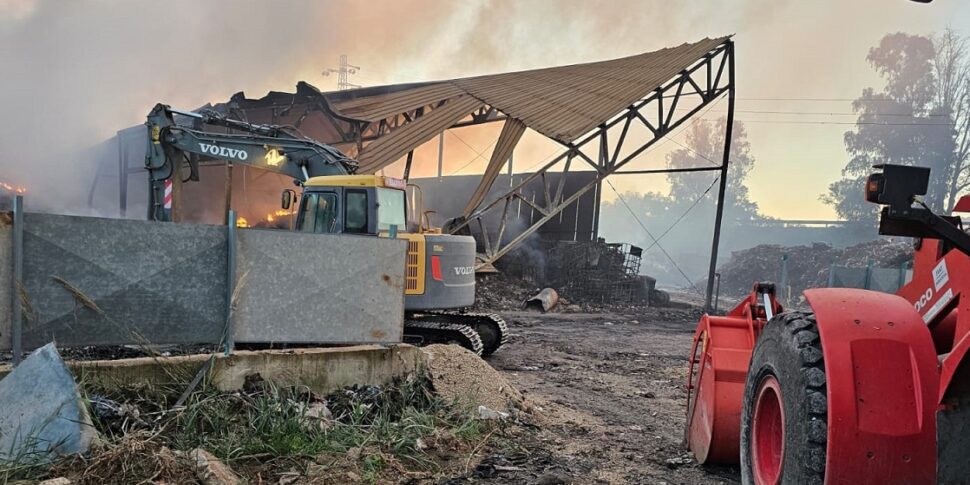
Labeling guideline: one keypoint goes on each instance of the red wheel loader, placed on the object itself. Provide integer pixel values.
(866, 387)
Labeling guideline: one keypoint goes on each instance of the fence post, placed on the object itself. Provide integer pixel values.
(717, 290)
(902, 275)
(832, 274)
(229, 338)
(17, 321)
(784, 277)
(868, 281)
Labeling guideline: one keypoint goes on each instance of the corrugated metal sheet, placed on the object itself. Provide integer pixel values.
(560, 102)
(385, 150)
(511, 133)
(378, 107)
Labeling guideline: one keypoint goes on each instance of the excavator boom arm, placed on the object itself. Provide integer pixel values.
(266, 147)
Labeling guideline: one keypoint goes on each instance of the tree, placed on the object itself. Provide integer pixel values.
(683, 217)
(705, 147)
(952, 63)
(919, 118)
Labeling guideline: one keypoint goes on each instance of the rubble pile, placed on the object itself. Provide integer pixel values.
(591, 274)
(808, 266)
(459, 375)
(502, 292)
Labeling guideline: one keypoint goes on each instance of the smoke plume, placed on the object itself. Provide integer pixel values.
(76, 72)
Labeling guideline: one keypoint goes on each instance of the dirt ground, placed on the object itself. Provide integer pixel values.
(610, 394)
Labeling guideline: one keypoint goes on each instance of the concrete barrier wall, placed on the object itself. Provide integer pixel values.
(93, 281)
(297, 287)
(322, 370)
(6, 279)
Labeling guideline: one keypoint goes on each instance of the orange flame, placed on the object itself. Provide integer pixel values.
(270, 217)
(17, 189)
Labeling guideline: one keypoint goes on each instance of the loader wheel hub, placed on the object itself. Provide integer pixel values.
(768, 433)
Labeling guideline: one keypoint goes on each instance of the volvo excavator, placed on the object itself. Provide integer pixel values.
(440, 268)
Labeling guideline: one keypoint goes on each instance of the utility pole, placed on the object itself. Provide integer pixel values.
(343, 72)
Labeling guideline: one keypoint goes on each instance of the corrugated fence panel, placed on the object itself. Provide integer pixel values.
(885, 279)
(318, 288)
(93, 281)
(849, 277)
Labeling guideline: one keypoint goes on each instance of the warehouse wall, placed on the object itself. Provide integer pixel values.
(447, 196)
(94, 281)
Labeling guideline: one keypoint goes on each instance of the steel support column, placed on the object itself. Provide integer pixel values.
(722, 187)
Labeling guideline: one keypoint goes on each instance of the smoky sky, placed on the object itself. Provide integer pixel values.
(75, 72)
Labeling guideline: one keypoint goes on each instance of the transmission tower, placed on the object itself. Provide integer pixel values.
(342, 73)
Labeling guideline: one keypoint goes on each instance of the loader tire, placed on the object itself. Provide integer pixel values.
(785, 406)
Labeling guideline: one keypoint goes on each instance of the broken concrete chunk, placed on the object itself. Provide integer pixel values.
(486, 413)
(545, 300)
(42, 415)
(211, 470)
(56, 481)
(317, 416)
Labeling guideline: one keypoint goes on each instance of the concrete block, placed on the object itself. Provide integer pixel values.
(42, 414)
(318, 288)
(151, 282)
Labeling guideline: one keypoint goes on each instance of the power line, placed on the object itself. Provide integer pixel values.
(820, 122)
(656, 242)
(816, 99)
(695, 152)
(825, 113)
(478, 154)
(696, 201)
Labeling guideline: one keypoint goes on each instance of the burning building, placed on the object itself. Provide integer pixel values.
(586, 110)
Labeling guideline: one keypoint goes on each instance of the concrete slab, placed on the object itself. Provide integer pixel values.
(41, 413)
(318, 288)
(322, 370)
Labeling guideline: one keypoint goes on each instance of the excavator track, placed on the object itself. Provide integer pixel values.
(491, 328)
(422, 332)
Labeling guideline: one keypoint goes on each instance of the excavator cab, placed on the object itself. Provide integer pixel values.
(439, 271)
(350, 204)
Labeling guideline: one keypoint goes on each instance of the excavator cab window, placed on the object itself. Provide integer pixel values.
(318, 213)
(391, 209)
(355, 218)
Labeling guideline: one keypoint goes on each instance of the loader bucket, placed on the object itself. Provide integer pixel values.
(716, 373)
(718, 367)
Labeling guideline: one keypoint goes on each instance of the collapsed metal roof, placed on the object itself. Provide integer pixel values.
(560, 102)
(380, 124)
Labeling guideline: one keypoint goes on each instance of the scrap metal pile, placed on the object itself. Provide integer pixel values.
(599, 272)
(590, 273)
(808, 266)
